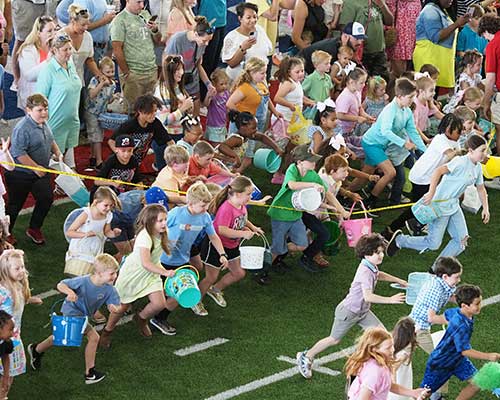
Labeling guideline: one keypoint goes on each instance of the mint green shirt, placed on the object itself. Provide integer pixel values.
(138, 44)
(317, 87)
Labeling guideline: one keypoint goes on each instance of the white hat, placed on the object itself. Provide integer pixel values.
(356, 30)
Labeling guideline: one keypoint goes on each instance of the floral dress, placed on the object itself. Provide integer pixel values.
(406, 17)
(17, 357)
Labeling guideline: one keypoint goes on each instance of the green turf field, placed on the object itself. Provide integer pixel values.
(261, 324)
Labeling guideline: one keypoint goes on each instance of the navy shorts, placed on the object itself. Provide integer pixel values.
(435, 378)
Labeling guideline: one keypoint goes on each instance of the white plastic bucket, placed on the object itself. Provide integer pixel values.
(252, 257)
(308, 199)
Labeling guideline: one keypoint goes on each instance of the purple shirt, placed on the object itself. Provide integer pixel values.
(365, 278)
(217, 110)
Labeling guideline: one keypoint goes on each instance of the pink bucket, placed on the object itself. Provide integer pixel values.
(355, 228)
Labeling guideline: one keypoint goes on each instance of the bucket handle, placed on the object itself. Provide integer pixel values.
(187, 266)
(362, 205)
(52, 312)
(263, 237)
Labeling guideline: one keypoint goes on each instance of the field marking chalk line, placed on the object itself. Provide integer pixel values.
(200, 347)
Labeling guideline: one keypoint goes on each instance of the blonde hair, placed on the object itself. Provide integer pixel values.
(186, 12)
(368, 348)
(472, 93)
(425, 83)
(345, 50)
(320, 56)
(219, 75)
(213, 188)
(33, 39)
(19, 290)
(253, 65)
(104, 262)
(198, 193)
(464, 113)
(147, 220)
(175, 154)
(373, 84)
(106, 193)
(237, 185)
(77, 13)
(106, 62)
(203, 148)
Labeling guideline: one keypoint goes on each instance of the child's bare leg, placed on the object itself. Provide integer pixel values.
(320, 346)
(468, 392)
(211, 275)
(156, 304)
(389, 174)
(292, 247)
(245, 163)
(358, 183)
(96, 152)
(236, 273)
(42, 347)
(196, 262)
(114, 317)
(91, 348)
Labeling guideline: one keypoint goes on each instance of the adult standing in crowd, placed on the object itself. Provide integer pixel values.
(32, 53)
(32, 145)
(133, 35)
(463, 5)
(373, 15)
(60, 83)
(247, 41)
(405, 14)
(308, 15)
(216, 11)
(489, 28)
(180, 17)
(436, 40)
(6, 9)
(191, 46)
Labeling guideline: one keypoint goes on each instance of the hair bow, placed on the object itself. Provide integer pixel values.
(191, 120)
(419, 75)
(322, 106)
(350, 67)
(337, 141)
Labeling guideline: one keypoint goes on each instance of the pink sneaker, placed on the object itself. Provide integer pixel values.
(278, 178)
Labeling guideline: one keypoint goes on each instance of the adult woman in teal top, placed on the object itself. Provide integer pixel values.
(60, 83)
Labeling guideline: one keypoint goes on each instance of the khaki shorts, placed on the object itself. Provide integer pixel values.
(345, 320)
(495, 109)
(24, 14)
(137, 85)
(94, 132)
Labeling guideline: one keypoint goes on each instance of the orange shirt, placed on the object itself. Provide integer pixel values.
(196, 170)
(252, 99)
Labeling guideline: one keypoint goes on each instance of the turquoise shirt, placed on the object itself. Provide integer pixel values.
(62, 88)
(214, 9)
(391, 121)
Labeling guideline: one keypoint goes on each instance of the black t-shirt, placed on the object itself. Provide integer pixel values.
(328, 45)
(112, 168)
(143, 136)
(6, 347)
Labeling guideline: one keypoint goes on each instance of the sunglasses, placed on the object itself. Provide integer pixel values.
(208, 31)
(83, 13)
(175, 59)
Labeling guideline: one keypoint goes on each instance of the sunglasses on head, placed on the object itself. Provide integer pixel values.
(62, 37)
(83, 13)
(175, 59)
(208, 31)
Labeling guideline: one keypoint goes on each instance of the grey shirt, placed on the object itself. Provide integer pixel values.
(33, 140)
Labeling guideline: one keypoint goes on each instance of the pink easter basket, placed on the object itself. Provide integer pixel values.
(355, 228)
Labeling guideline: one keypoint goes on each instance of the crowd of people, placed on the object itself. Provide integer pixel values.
(364, 77)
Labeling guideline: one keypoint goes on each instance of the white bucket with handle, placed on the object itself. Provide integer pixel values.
(308, 199)
(252, 257)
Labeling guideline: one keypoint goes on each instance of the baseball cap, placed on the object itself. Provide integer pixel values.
(124, 141)
(155, 195)
(356, 30)
(303, 153)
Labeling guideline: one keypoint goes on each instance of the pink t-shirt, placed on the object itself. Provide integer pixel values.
(375, 377)
(421, 114)
(365, 278)
(348, 103)
(232, 217)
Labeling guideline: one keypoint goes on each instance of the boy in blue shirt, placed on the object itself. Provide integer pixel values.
(184, 225)
(450, 357)
(468, 38)
(84, 296)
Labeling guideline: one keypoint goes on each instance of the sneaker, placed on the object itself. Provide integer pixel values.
(262, 278)
(143, 326)
(217, 296)
(414, 227)
(387, 233)
(94, 376)
(199, 309)
(35, 357)
(154, 167)
(163, 326)
(13, 87)
(493, 184)
(392, 247)
(321, 261)
(278, 178)
(308, 264)
(35, 235)
(404, 200)
(304, 364)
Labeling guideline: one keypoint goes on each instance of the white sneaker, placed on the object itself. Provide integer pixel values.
(493, 184)
(404, 200)
(199, 309)
(217, 296)
(13, 87)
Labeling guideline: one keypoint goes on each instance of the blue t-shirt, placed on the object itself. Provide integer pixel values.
(448, 353)
(90, 297)
(430, 22)
(470, 40)
(183, 229)
(214, 9)
(463, 173)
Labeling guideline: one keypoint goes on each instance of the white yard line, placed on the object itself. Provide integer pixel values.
(200, 347)
(126, 319)
(315, 367)
(49, 293)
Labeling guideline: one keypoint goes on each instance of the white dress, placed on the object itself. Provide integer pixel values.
(296, 96)
(404, 374)
(85, 51)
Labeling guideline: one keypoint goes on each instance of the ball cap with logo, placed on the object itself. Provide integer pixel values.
(155, 195)
(356, 30)
(124, 141)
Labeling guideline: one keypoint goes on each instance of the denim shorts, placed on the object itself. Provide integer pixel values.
(282, 230)
(435, 378)
(216, 134)
(374, 154)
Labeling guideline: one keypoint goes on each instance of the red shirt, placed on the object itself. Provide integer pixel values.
(196, 170)
(493, 58)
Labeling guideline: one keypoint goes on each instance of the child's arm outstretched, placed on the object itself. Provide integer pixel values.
(371, 297)
(269, 143)
(293, 185)
(149, 266)
(436, 319)
(479, 355)
(254, 228)
(415, 393)
(384, 276)
(435, 178)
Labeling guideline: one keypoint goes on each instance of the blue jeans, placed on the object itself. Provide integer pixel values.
(455, 225)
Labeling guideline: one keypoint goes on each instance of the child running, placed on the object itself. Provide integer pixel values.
(15, 293)
(355, 308)
(84, 296)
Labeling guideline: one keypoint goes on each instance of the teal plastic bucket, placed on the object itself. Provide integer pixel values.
(67, 331)
(416, 281)
(183, 286)
(267, 159)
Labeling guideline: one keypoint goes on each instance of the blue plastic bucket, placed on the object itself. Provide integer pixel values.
(68, 331)
(416, 280)
(183, 286)
(267, 159)
(256, 194)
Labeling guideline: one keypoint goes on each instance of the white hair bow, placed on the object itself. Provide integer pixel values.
(337, 142)
(322, 106)
(419, 75)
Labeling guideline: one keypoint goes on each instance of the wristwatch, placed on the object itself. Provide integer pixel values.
(223, 255)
